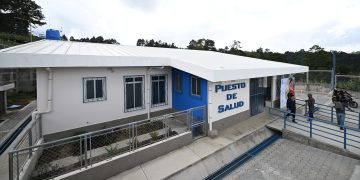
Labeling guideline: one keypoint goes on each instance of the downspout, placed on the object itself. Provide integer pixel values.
(36, 113)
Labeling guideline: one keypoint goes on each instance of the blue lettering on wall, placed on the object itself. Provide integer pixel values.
(227, 107)
(229, 87)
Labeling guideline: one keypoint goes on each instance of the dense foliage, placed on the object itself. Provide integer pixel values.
(16, 16)
(316, 57)
(94, 39)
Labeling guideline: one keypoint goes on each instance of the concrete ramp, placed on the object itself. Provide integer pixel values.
(209, 164)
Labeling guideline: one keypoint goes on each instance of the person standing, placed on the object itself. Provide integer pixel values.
(340, 112)
(311, 105)
(291, 106)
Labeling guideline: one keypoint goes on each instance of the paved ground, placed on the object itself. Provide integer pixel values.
(286, 159)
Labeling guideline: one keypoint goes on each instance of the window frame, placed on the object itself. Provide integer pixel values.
(142, 91)
(166, 89)
(180, 83)
(198, 86)
(95, 99)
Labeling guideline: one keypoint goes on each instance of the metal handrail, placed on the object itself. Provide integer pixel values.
(154, 119)
(312, 124)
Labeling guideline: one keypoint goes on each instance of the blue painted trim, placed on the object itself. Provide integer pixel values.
(185, 100)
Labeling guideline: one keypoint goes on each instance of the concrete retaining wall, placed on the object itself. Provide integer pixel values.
(116, 165)
(220, 158)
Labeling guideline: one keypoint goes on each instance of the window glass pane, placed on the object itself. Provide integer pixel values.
(154, 77)
(193, 85)
(162, 92)
(155, 94)
(129, 79)
(161, 77)
(198, 90)
(138, 79)
(138, 95)
(129, 96)
(99, 88)
(90, 89)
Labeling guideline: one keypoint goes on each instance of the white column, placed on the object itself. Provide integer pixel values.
(273, 90)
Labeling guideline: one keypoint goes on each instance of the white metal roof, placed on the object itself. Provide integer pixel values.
(209, 65)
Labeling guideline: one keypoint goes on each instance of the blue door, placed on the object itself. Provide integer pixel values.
(257, 98)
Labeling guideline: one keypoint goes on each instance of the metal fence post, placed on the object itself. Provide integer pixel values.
(285, 120)
(344, 137)
(85, 150)
(332, 114)
(11, 166)
(311, 120)
(90, 150)
(17, 166)
(30, 141)
(80, 153)
(130, 138)
(359, 120)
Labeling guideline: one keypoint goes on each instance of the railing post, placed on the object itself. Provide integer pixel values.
(311, 120)
(332, 114)
(359, 119)
(344, 137)
(90, 156)
(17, 166)
(30, 141)
(11, 166)
(80, 153)
(285, 120)
(130, 137)
(306, 110)
(85, 150)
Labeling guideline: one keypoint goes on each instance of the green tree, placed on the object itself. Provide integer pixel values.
(202, 44)
(16, 16)
(64, 38)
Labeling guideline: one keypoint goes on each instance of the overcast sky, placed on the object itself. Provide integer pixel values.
(279, 25)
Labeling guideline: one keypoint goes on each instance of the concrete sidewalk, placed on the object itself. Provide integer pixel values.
(180, 159)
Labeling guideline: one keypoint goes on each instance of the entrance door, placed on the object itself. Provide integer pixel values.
(257, 101)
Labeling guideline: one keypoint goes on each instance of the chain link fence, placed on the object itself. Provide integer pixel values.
(31, 137)
(315, 81)
(350, 83)
(62, 156)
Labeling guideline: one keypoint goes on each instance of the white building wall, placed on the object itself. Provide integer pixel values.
(216, 99)
(70, 112)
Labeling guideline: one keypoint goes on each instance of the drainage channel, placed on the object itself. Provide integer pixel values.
(227, 169)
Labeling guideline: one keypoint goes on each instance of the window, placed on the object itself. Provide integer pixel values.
(94, 89)
(134, 93)
(195, 86)
(158, 89)
(178, 86)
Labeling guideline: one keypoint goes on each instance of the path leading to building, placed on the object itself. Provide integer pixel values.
(13, 119)
(286, 159)
(177, 160)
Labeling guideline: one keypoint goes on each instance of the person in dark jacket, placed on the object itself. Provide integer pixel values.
(340, 112)
(311, 105)
(291, 106)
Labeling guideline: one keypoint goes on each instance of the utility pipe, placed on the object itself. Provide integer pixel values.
(36, 113)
